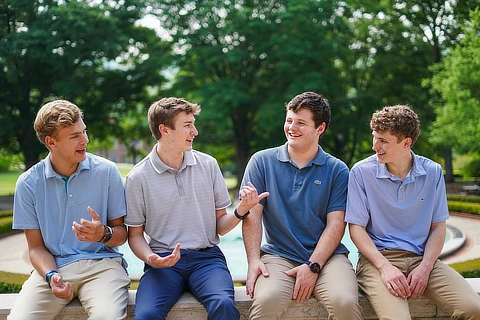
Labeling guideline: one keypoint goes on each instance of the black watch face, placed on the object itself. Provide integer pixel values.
(315, 267)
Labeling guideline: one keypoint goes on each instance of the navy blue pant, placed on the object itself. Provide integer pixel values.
(204, 273)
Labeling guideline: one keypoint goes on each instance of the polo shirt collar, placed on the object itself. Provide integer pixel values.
(161, 167)
(319, 159)
(51, 173)
(416, 171)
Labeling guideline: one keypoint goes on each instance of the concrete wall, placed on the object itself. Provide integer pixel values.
(188, 308)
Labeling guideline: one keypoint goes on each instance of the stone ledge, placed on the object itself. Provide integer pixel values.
(188, 308)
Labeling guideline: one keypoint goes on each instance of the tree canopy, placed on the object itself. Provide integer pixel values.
(89, 52)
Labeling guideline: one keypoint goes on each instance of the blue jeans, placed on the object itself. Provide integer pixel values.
(204, 273)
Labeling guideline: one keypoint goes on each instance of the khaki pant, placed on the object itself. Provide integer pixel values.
(100, 285)
(336, 289)
(446, 288)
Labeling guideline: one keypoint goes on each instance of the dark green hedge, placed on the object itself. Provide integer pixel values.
(456, 197)
(9, 287)
(467, 207)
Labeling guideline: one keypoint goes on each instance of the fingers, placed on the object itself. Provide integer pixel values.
(95, 216)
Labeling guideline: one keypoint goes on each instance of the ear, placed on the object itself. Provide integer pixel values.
(50, 142)
(321, 128)
(163, 129)
(407, 142)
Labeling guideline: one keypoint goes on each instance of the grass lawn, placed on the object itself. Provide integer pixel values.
(8, 180)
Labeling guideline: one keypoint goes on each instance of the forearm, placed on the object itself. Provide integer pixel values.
(367, 248)
(226, 222)
(252, 235)
(435, 243)
(140, 247)
(42, 260)
(328, 242)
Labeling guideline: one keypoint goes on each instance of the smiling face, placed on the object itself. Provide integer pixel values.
(180, 137)
(68, 147)
(300, 130)
(389, 149)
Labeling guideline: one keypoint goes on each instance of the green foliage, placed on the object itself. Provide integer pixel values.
(468, 269)
(457, 80)
(9, 287)
(461, 198)
(472, 169)
(6, 224)
(90, 52)
(468, 207)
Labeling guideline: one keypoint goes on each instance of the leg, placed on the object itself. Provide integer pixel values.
(104, 289)
(386, 305)
(449, 290)
(337, 289)
(211, 283)
(158, 291)
(273, 294)
(36, 301)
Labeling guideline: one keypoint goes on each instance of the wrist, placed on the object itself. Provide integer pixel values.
(107, 234)
(240, 217)
(48, 276)
(315, 267)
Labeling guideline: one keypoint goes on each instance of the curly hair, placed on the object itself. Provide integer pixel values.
(398, 120)
(164, 112)
(314, 102)
(55, 115)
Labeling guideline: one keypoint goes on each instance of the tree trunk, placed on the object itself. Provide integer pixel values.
(447, 156)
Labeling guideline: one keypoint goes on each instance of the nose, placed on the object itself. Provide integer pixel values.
(85, 136)
(194, 131)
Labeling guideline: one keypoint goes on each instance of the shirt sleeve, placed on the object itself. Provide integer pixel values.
(136, 213)
(440, 208)
(357, 202)
(24, 213)
(116, 195)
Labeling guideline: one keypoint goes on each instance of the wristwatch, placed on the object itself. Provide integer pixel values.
(314, 266)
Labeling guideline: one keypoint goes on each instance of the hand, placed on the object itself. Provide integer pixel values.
(60, 289)
(304, 283)
(156, 261)
(418, 280)
(89, 231)
(250, 197)
(395, 282)
(255, 268)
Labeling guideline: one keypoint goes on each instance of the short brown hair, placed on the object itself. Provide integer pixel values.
(398, 120)
(314, 102)
(164, 112)
(55, 115)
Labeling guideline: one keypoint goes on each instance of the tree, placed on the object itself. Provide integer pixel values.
(243, 61)
(89, 52)
(457, 80)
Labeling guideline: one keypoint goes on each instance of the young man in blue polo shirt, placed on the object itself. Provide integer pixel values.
(396, 210)
(71, 207)
(303, 219)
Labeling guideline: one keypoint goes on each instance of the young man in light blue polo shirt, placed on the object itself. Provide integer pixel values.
(396, 210)
(71, 207)
(303, 219)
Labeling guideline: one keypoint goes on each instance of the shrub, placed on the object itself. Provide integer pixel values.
(6, 224)
(468, 269)
(9, 287)
(468, 207)
(455, 197)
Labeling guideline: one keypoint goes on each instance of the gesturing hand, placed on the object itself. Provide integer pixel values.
(156, 261)
(89, 231)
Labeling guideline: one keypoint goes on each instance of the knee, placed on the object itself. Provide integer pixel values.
(223, 307)
(149, 314)
(107, 313)
(470, 311)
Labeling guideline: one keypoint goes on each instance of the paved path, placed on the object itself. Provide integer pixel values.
(14, 257)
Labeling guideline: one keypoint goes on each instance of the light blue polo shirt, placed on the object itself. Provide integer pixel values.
(295, 213)
(397, 214)
(44, 200)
